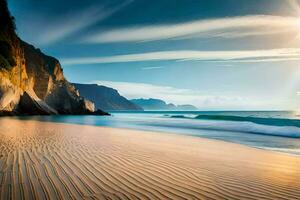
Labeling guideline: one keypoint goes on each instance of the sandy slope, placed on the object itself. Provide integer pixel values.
(60, 161)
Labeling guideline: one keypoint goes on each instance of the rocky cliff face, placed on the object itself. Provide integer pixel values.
(30, 79)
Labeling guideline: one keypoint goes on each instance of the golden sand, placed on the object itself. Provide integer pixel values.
(43, 160)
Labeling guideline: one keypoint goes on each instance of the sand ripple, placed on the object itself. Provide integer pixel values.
(40, 160)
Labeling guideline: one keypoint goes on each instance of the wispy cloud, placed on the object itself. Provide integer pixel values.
(239, 26)
(65, 25)
(179, 96)
(150, 68)
(270, 55)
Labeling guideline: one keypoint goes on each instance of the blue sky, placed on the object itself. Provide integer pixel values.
(217, 55)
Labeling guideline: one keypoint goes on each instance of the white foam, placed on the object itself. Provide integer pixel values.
(247, 127)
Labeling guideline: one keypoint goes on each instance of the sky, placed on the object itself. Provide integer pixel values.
(216, 55)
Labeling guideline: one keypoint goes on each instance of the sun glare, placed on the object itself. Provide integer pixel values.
(295, 5)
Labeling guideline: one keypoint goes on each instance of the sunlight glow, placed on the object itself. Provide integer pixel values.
(295, 5)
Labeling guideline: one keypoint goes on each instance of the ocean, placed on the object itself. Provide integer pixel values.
(270, 130)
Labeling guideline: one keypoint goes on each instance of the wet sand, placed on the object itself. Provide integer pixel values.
(43, 160)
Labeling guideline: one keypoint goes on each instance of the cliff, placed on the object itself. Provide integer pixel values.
(105, 98)
(158, 104)
(30, 81)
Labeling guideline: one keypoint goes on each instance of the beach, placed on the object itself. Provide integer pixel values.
(46, 160)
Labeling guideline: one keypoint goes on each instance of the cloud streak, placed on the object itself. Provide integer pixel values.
(151, 68)
(270, 55)
(73, 22)
(240, 26)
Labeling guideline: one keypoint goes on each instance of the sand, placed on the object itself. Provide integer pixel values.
(43, 160)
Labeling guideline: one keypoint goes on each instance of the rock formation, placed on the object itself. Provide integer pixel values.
(30, 81)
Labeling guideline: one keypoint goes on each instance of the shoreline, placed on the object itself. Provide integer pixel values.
(183, 135)
(176, 134)
(279, 150)
(81, 161)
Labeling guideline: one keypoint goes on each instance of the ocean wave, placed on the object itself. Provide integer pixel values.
(256, 120)
(183, 116)
(264, 126)
(282, 150)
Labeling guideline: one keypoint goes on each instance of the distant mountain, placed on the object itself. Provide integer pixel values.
(105, 98)
(153, 104)
(158, 104)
